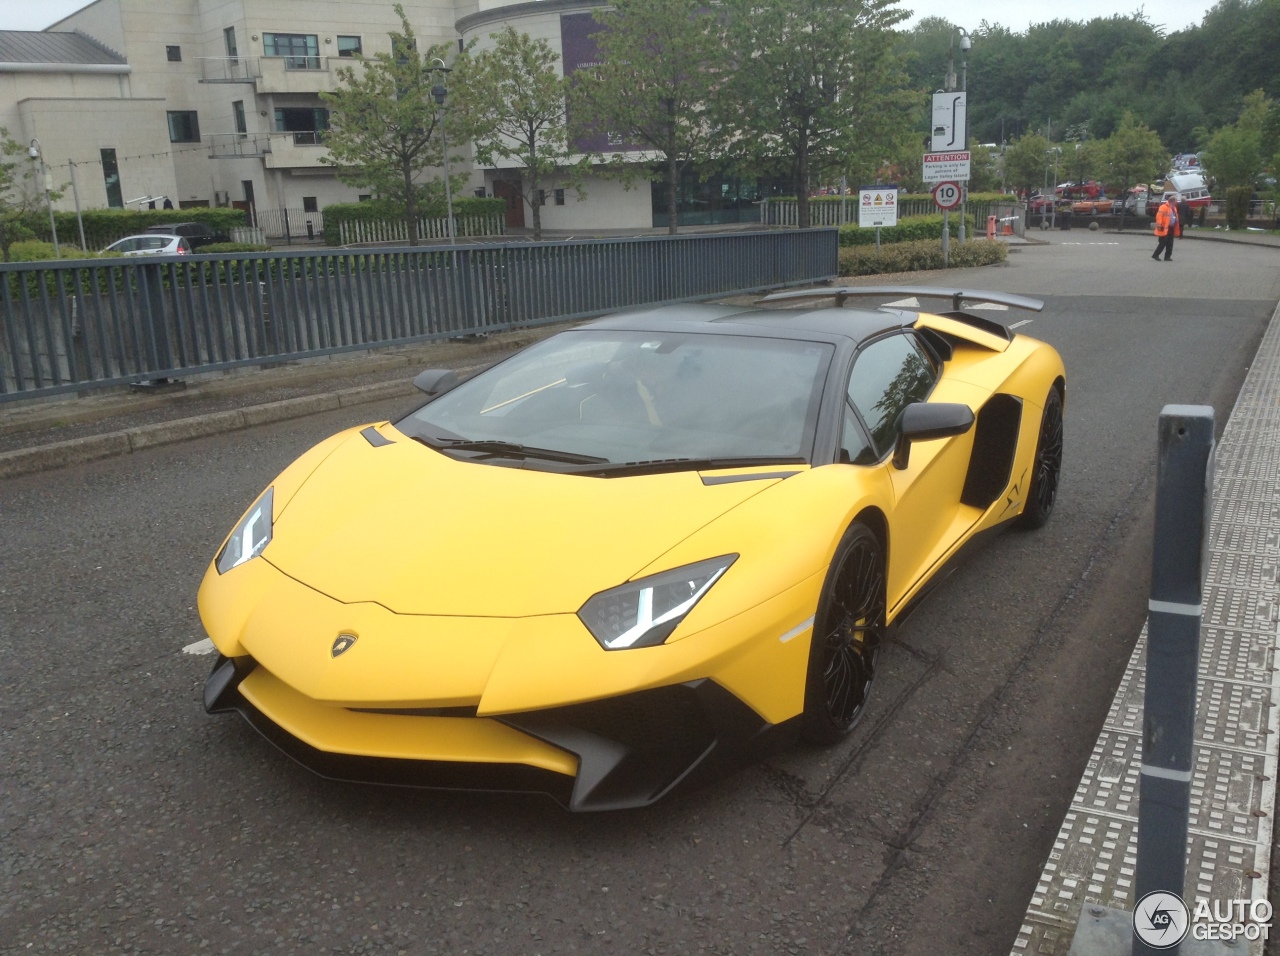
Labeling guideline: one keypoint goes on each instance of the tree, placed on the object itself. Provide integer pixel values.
(1024, 162)
(657, 74)
(384, 125)
(1132, 154)
(20, 193)
(1234, 155)
(817, 85)
(523, 97)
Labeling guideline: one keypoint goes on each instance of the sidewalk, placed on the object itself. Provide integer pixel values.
(1233, 788)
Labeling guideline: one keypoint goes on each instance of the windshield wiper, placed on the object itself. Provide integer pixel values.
(506, 449)
(655, 466)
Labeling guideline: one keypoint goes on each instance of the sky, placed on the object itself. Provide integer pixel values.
(1174, 15)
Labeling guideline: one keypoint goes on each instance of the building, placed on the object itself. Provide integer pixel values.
(217, 102)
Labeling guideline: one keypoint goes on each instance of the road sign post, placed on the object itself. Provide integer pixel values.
(877, 207)
(946, 196)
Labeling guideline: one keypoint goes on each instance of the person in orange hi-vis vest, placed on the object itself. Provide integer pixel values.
(1166, 227)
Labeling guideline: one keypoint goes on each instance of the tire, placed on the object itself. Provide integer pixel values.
(1047, 469)
(847, 633)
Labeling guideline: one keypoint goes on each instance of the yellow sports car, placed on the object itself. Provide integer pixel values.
(630, 556)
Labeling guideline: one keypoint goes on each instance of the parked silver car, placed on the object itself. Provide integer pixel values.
(148, 245)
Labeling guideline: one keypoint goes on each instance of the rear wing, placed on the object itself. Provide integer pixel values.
(972, 328)
(958, 298)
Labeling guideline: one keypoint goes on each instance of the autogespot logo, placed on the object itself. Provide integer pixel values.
(1161, 919)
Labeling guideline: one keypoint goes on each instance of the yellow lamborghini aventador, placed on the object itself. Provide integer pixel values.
(622, 560)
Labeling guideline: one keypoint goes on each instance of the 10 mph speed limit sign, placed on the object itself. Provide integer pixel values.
(946, 195)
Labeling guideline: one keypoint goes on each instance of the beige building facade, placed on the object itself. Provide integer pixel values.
(217, 102)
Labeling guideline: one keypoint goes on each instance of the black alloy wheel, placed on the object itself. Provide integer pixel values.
(1048, 465)
(847, 633)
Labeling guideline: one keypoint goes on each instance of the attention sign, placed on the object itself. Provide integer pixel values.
(940, 167)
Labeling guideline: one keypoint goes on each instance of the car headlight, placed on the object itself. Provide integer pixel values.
(251, 535)
(645, 612)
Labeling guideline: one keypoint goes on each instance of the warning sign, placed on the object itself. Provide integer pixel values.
(877, 206)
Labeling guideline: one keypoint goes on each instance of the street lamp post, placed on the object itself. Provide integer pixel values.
(965, 43)
(439, 93)
(35, 153)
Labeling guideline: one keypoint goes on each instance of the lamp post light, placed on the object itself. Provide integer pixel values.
(439, 93)
(35, 153)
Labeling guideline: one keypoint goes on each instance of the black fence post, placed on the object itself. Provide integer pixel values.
(1184, 490)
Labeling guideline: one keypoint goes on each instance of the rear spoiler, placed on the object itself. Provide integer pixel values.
(958, 298)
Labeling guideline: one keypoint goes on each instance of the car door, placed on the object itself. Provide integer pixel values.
(888, 375)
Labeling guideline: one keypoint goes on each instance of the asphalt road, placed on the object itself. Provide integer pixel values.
(131, 822)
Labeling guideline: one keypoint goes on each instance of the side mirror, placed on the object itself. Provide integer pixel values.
(922, 421)
(435, 381)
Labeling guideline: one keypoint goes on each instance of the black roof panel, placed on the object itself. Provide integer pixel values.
(827, 323)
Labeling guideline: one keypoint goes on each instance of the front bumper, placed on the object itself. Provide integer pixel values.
(619, 752)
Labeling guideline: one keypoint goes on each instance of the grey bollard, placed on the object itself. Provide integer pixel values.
(1184, 491)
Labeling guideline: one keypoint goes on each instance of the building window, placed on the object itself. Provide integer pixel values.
(366, 197)
(309, 204)
(301, 51)
(349, 46)
(242, 127)
(307, 125)
(229, 35)
(183, 126)
(559, 197)
(173, 53)
(111, 178)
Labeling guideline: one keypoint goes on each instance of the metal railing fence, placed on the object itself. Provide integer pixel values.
(78, 324)
(357, 231)
(833, 212)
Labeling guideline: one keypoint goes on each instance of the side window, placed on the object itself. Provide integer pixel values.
(888, 375)
(854, 447)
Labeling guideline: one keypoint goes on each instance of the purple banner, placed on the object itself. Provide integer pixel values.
(580, 52)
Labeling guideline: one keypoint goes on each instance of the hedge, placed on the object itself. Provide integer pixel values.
(378, 210)
(910, 229)
(919, 256)
(1238, 206)
(104, 226)
(231, 247)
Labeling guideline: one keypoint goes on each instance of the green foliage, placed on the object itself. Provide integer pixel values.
(1097, 70)
(1234, 155)
(921, 255)
(644, 91)
(818, 88)
(1132, 154)
(910, 229)
(20, 193)
(37, 250)
(383, 210)
(385, 126)
(104, 226)
(520, 97)
(1024, 162)
(1238, 206)
(232, 247)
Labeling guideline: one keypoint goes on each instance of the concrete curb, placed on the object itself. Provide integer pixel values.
(77, 451)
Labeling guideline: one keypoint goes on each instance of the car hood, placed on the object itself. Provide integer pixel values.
(420, 532)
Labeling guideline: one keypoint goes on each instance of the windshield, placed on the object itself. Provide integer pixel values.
(620, 397)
